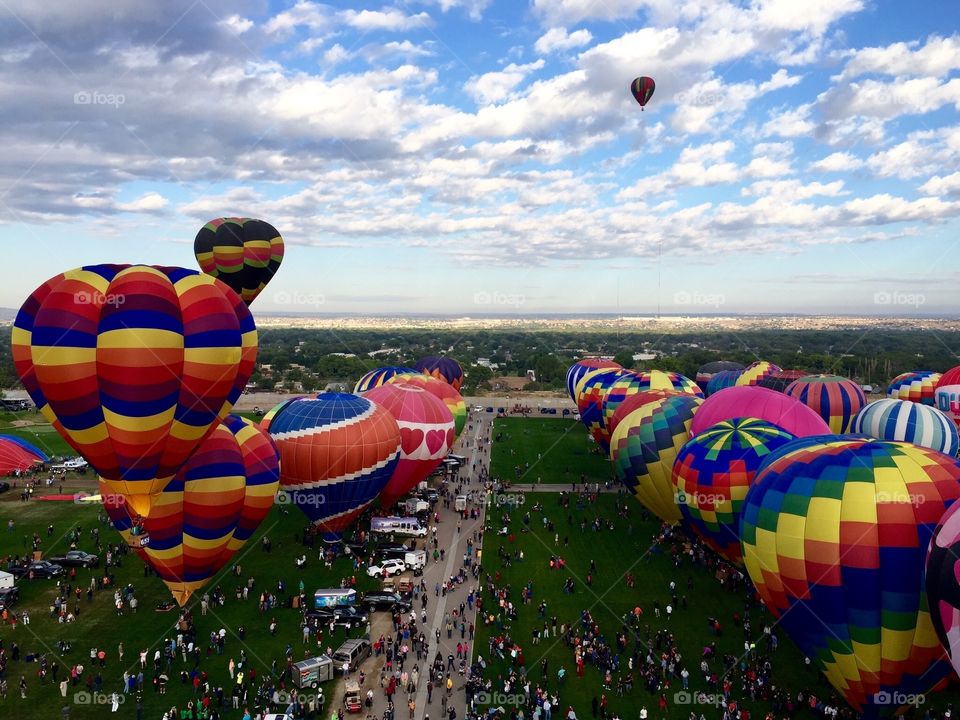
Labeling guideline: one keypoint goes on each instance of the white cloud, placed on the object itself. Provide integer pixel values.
(493, 87)
(474, 8)
(146, 203)
(237, 24)
(949, 185)
(390, 19)
(305, 13)
(558, 39)
(936, 58)
(886, 100)
(790, 123)
(837, 162)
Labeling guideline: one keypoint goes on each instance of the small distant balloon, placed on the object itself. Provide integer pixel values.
(642, 89)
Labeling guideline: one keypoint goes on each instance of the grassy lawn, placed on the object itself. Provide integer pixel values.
(99, 626)
(616, 551)
(553, 450)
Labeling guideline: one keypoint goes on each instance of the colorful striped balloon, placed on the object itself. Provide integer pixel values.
(590, 393)
(17, 454)
(943, 583)
(632, 383)
(755, 372)
(242, 252)
(380, 376)
(714, 471)
(947, 394)
(905, 421)
(782, 380)
(426, 435)
(918, 386)
(707, 371)
(645, 446)
(834, 537)
(836, 399)
(208, 511)
(442, 368)
(134, 365)
(337, 453)
(721, 380)
(442, 391)
(580, 368)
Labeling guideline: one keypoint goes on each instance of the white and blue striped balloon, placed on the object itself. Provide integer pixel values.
(905, 421)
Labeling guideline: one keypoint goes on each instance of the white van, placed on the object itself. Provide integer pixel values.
(399, 525)
(460, 504)
(415, 559)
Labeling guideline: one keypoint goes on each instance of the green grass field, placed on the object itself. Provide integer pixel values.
(616, 552)
(99, 626)
(552, 450)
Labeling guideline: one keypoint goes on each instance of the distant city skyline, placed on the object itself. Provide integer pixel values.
(485, 157)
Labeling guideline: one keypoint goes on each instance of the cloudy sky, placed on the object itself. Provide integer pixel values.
(486, 156)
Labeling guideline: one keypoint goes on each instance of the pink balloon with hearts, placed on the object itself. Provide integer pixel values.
(427, 433)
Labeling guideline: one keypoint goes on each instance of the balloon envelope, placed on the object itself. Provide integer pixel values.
(17, 454)
(943, 583)
(836, 399)
(591, 391)
(380, 376)
(580, 368)
(242, 252)
(756, 402)
(708, 370)
(947, 395)
(782, 380)
(721, 380)
(917, 386)
(906, 421)
(441, 390)
(443, 368)
(755, 372)
(134, 365)
(642, 89)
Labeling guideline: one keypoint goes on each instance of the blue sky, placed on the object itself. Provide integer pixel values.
(486, 156)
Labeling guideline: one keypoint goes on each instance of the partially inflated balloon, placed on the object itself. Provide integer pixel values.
(644, 447)
(708, 370)
(426, 435)
(580, 368)
(905, 421)
(208, 511)
(442, 391)
(134, 365)
(757, 402)
(242, 252)
(836, 399)
(337, 453)
(834, 537)
(591, 391)
(782, 380)
(17, 454)
(714, 471)
(947, 395)
(443, 368)
(755, 372)
(722, 380)
(918, 386)
(380, 376)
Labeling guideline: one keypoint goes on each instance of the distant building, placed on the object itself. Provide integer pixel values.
(640, 357)
(485, 362)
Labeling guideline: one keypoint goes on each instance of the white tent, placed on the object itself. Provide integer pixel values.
(6, 579)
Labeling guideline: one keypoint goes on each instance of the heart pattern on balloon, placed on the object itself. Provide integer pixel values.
(436, 439)
(410, 439)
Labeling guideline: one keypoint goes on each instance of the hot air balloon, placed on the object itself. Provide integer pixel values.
(208, 511)
(905, 421)
(590, 394)
(440, 390)
(708, 370)
(836, 399)
(721, 380)
(580, 368)
(631, 383)
(918, 386)
(426, 435)
(943, 583)
(757, 402)
(947, 395)
(782, 380)
(644, 447)
(443, 368)
(633, 402)
(17, 454)
(642, 89)
(755, 372)
(834, 537)
(134, 365)
(380, 376)
(242, 252)
(268, 417)
(713, 472)
(337, 453)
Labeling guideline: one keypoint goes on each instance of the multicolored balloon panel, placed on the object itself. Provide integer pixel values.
(947, 395)
(17, 454)
(755, 372)
(442, 391)
(943, 583)
(242, 252)
(782, 380)
(645, 446)
(634, 402)
(443, 368)
(631, 383)
(706, 371)
(380, 376)
(834, 536)
(134, 365)
(918, 386)
(836, 399)
(722, 380)
(714, 471)
(261, 467)
(591, 391)
(426, 435)
(906, 421)
(642, 89)
(337, 453)
(580, 368)
(757, 402)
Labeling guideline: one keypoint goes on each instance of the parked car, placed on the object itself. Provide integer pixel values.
(386, 568)
(40, 568)
(394, 550)
(378, 600)
(430, 495)
(346, 616)
(4, 486)
(8, 597)
(76, 558)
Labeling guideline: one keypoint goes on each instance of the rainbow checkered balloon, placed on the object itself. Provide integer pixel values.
(918, 386)
(755, 372)
(591, 391)
(834, 536)
(714, 471)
